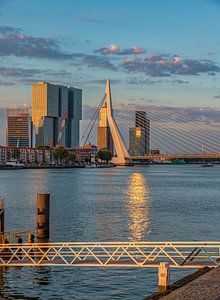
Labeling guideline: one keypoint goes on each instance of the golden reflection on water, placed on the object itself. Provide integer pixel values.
(138, 207)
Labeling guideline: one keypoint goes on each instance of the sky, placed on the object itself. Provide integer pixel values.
(154, 51)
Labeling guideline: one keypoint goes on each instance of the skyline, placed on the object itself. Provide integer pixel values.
(178, 68)
(109, 149)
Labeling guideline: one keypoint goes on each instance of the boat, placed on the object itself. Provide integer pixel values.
(14, 164)
(207, 165)
(178, 162)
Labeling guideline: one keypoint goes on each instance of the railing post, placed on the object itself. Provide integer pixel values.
(43, 215)
(163, 276)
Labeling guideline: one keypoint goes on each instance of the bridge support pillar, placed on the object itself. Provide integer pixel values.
(163, 276)
(43, 215)
(2, 219)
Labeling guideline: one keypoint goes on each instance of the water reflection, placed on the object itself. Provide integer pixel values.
(138, 206)
(3, 270)
(42, 276)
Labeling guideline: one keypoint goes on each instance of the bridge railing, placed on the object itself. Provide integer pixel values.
(177, 156)
(112, 254)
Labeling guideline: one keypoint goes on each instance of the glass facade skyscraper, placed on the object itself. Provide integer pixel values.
(139, 136)
(50, 103)
(18, 133)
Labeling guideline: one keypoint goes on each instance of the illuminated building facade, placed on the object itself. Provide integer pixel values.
(19, 129)
(104, 134)
(50, 103)
(139, 136)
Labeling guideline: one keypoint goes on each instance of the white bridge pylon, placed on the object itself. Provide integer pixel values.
(122, 157)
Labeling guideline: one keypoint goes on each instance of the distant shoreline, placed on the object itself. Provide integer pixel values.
(38, 167)
(52, 167)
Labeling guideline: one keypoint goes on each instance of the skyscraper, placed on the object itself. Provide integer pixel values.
(18, 132)
(104, 135)
(139, 136)
(52, 104)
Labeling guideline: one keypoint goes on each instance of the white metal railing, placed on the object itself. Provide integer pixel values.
(112, 254)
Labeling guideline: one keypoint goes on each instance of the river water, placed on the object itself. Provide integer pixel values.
(149, 203)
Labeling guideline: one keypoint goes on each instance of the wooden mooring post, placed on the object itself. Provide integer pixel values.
(43, 215)
(163, 276)
(2, 219)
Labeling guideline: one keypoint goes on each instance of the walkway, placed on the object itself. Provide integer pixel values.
(206, 287)
(112, 254)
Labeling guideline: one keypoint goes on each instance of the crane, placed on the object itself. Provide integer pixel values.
(62, 125)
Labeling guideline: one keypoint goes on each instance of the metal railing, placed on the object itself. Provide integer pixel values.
(177, 156)
(112, 254)
(7, 237)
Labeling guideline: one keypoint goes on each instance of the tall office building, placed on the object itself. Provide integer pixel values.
(52, 104)
(104, 135)
(18, 132)
(139, 136)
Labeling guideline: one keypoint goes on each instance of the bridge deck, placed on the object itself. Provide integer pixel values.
(112, 254)
(177, 156)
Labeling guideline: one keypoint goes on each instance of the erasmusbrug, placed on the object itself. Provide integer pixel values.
(186, 133)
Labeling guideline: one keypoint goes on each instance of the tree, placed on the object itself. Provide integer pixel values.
(16, 153)
(72, 157)
(43, 147)
(104, 155)
(60, 153)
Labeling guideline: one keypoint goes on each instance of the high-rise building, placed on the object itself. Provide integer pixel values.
(139, 136)
(104, 135)
(52, 106)
(19, 129)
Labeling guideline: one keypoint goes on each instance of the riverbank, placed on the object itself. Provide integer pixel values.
(176, 287)
(54, 167)
(205, 287)
(38, 167)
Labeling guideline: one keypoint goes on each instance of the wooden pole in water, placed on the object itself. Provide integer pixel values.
(2, 213)
(43, 215)
(163, 276)
(2, 220)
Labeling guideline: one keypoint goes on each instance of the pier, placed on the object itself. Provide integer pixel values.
(181, 255)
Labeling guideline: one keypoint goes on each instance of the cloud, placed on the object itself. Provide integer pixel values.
(136, 81)
(146, 100)
(147, 81)
(167, 65)
(115, 49)
(97, 62)
(217, 97)
(6, 83)
(112, 49)
(179, 81)
(14, 42)
(177, 114)
(13, 76)
(103, 81)
(18, 72)
(90, 20)
(7, 30)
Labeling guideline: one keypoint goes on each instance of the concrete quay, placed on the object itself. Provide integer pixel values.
(201, 285)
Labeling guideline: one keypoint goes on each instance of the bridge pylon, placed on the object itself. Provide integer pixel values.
(122, 157)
